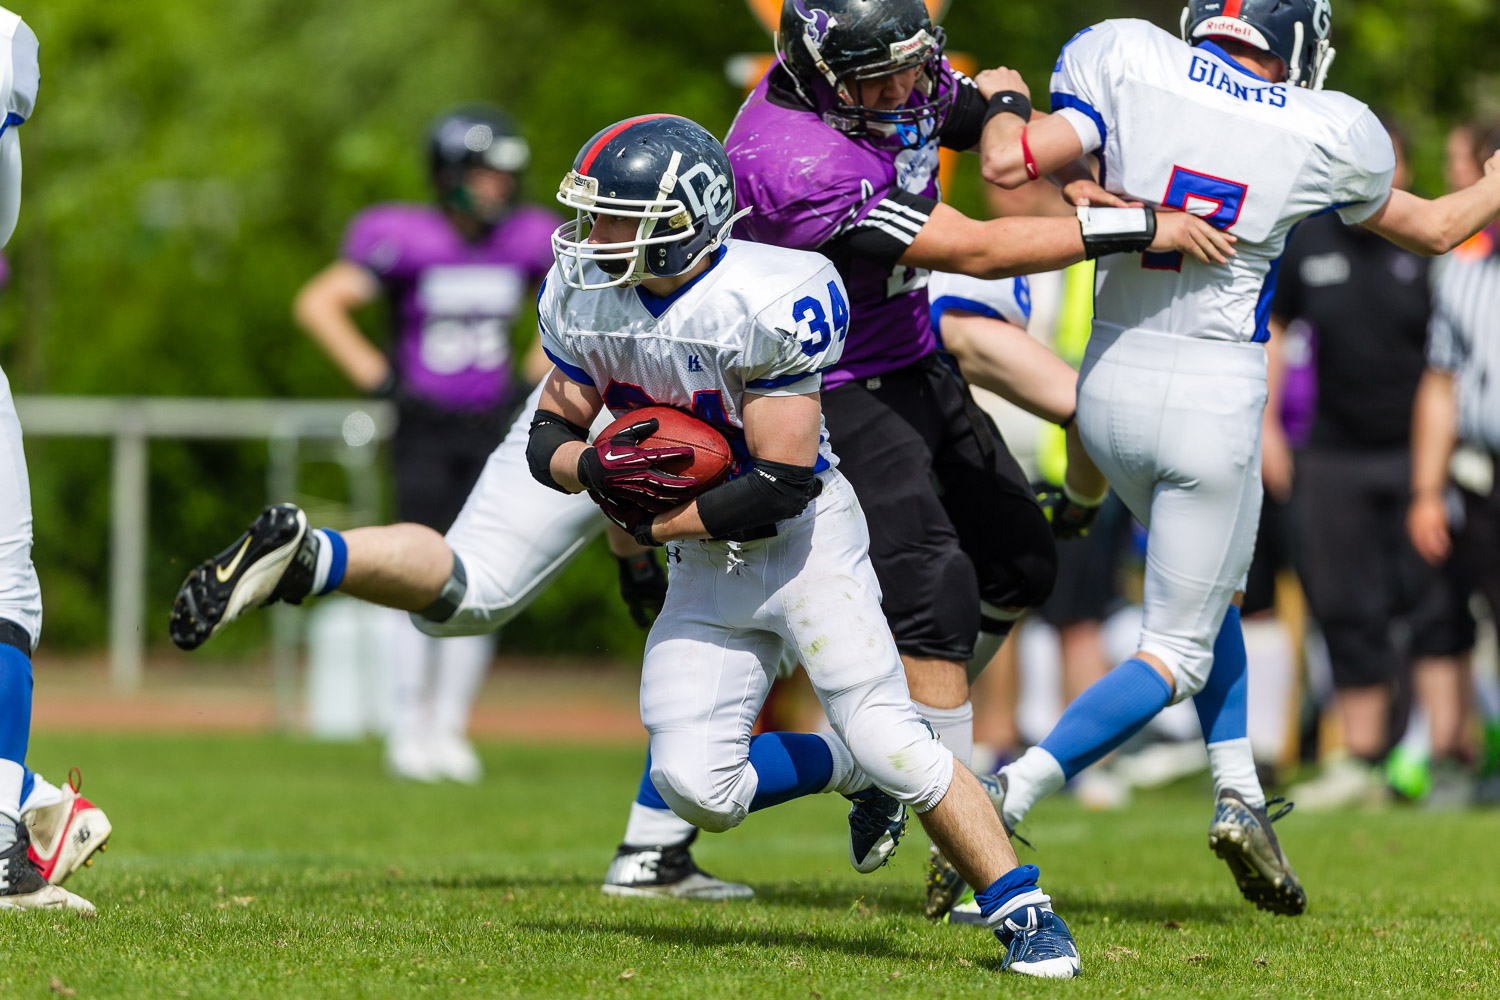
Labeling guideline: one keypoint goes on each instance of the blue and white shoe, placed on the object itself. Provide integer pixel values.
(876, 823)
(1038, 943)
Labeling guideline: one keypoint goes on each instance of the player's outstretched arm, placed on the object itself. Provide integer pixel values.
(1009, 362)
(1003, 248)
(322, 307)
(1438, 225)
(782, 434)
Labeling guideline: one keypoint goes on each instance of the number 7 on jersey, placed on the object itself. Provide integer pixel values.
(1190, 191)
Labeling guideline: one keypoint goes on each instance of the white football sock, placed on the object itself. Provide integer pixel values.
(12, 776)
(648, 827)
(1036, 775)
(954, 726)
(462, 662)
(410, 654)
(847, 778)
(1233, 765)
(43, 794)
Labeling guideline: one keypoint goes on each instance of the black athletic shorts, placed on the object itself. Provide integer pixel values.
(437, 458)
(952, 518)
(1365, 584)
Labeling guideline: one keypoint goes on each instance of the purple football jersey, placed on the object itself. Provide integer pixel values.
(807, 184)
(453, 301)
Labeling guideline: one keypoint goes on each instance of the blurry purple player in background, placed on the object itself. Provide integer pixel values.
(455, 275)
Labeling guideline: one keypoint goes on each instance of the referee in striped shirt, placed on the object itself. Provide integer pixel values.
(1458, 403)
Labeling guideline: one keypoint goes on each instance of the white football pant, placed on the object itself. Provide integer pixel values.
(514, 535)
(20, 593)
(1174, 424)
(715, 649)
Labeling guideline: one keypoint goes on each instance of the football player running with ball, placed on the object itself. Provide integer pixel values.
(650, 303)
(1229, 122)
(837, 151)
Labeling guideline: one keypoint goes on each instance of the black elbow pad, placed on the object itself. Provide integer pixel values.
(769, 492)
(549, 432)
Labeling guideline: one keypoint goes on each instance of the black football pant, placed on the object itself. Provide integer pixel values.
(952, 518)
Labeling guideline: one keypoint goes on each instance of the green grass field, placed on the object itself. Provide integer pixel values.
(258, 867)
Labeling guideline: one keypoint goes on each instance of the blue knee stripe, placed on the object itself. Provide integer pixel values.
(647, 795)
(15, 703)
(1223, 704)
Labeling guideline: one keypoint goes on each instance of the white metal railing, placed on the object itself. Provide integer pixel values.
(354, 427)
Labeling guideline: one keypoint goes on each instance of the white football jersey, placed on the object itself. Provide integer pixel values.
(999, 298)
(1188, 127)
(21, 75)
(761, 319)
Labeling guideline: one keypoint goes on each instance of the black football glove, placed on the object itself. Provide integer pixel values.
(643, 585)
(1068, 519)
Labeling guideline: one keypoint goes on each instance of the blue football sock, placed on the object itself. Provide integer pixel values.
(27, 784)
(1222, 704)
(1113, 709)
(15, 703)
(1013, 883)
(789, 765)
(647, 795)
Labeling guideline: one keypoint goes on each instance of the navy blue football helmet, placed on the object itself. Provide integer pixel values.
(669, 173)
(1296, 31)
(831, 45)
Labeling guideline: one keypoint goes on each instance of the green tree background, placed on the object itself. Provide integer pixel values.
(190, 164)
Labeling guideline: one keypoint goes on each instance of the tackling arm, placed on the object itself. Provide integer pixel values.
(1003, 248)
(322, 308)
(1436, 226)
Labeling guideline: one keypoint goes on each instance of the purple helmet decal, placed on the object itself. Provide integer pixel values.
(818, 21)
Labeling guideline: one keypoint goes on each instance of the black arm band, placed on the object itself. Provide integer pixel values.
(550, 432)
(1009, 102)
(1116, 230)
(770, 492)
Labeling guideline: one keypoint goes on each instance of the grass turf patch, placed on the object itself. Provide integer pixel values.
(260, 867)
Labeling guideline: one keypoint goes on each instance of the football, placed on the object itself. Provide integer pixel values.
(711, 459)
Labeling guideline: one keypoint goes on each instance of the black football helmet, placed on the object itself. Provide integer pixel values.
(1294, 30)
(668, 172)
(475, 135)
(831, 45)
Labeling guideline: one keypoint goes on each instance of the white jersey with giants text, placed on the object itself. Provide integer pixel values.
(1187, 127)
(761, 319)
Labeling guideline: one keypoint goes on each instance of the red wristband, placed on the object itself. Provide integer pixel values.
(1031, 171)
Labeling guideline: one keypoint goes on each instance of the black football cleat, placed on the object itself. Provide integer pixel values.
(272, 561)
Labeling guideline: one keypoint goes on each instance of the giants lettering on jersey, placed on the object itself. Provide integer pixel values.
(1211, 74)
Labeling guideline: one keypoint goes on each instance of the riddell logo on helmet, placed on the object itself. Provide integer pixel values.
(1231, 26)
(917, 43)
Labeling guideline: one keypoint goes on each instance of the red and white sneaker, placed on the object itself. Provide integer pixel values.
(65, 836)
